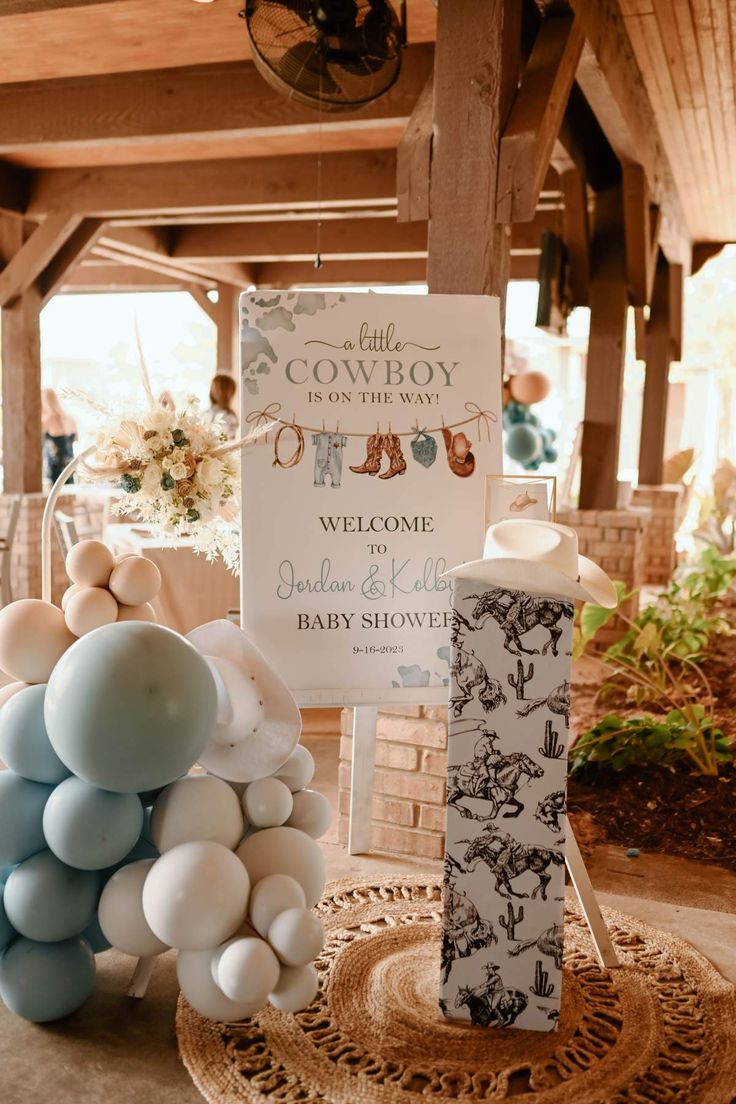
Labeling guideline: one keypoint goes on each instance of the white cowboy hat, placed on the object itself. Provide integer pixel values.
(538, 556)
(258, 722)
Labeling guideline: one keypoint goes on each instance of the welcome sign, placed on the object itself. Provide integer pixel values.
(387, 420)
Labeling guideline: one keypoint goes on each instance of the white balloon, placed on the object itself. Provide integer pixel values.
(120, 912)
(297, 988)
(311, 813)
(297, 936)
(267, 803)
(196, 895)
(298, 770)
(272, 895)
(193, 970)
(196, 807)
(285, 851)
(247, 970)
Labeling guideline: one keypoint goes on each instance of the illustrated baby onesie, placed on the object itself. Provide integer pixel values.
(328, 457)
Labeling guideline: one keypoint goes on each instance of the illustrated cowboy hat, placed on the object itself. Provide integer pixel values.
(258, 722)
(541, 557)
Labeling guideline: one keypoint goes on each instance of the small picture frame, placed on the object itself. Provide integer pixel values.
(515, 496)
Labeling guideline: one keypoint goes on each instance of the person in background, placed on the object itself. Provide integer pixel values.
(59, 434)
(221, 415)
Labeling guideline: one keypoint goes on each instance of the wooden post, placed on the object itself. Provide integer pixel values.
(659, 352)
(21, 376)
(475, 79)
(228, 351)
(606, 350)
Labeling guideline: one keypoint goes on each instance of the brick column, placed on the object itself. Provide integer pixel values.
(409, 788)
(615, 539)
(665, 503)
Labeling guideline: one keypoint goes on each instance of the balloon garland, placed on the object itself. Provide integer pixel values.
(527, 441)
(107, 840)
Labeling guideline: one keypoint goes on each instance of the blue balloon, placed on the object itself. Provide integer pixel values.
(7, 931)
(24, 744)
(21, 817)
(550, 454)
(45, 981)
(523, 443)
(46, 900)
(91, 828)
(130, 706)
(95, 937)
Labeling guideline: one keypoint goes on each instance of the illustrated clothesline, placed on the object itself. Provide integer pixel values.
(271, 414)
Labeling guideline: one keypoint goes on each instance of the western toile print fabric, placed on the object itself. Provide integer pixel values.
(507, 763)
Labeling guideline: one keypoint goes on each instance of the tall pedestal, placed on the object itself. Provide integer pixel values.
(506, 784)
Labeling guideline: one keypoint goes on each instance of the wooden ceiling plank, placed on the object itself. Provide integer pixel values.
(414, 157)
(269, 183)
(362, 273)
(21, 272)
(536, 116)
(711, 28)
(617, 73)
(69, 256)
(119, 277)
(108, 253)
(263, 242)
(24, 7)
(226, 100)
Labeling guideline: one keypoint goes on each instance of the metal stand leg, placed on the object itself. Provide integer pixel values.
(141, 977)
(365, 719)
(589, 903)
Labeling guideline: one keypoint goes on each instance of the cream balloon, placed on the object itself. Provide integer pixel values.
(120, 912)
(298, 770)
(529, 387)
(267, 803)
(273, 894)
(297, 988)
(196, 895)
(135, 581)
(197, 807)
(194, 974)
(69, 594)
(33, 638)
(247, 970)
(285, 851)
(297, 936)
(89, 563)
(311, 813)
(146, 612)
(89, 609)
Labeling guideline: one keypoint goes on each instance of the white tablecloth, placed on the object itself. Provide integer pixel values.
(193, 589)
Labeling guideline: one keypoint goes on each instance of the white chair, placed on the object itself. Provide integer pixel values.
(66, 531)
(6, 552)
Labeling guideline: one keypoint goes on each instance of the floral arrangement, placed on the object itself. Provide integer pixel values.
(178, 474)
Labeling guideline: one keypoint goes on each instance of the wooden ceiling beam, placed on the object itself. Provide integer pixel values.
(14, 186)
(111, 277)
(414, 157)
(363, 273)
(536, 116)
(255, 183)
(69, 256)
(25, 7)
(576, 233)
(611, 80)
(22, 270)
(641, 227)
(223, 100)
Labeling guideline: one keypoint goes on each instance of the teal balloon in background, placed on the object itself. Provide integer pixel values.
(94, 935)
(523, 443)
(24, 744)
(21, 817)
(91, 828)
(46, 900)
(44, 981)
(7, 931)
(130, 706)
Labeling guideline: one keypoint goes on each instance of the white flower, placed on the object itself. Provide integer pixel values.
(178, 471)
(152, 475)
(166, 439)
(154, 443)
(210, 471)
(158, 419)
(166, 463)
(177, 455)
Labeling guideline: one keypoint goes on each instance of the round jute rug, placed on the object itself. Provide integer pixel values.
(660, 1029)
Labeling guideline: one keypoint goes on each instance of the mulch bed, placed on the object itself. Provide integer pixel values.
(656, 809)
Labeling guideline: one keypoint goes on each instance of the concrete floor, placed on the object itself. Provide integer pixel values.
(118, 1051)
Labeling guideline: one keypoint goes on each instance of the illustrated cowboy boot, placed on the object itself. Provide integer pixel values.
(372, 462)
(397, 465)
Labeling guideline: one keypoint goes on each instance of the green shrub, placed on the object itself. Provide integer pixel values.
(620, 742)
